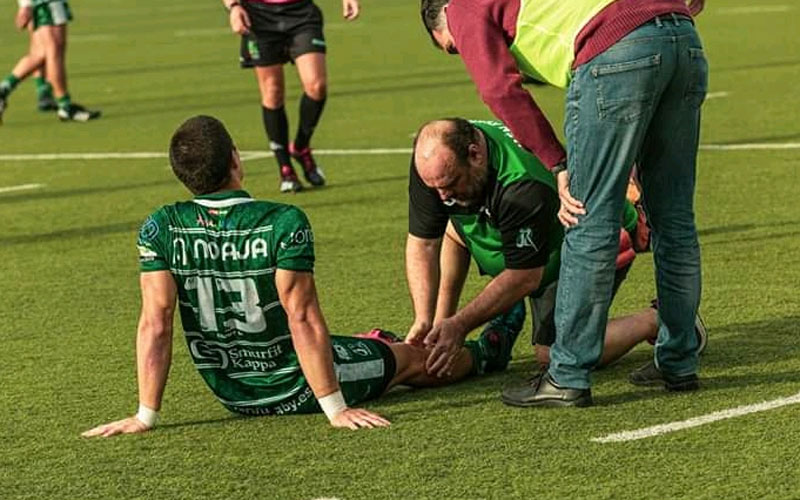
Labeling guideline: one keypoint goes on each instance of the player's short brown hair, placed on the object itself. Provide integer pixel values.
(200, 152)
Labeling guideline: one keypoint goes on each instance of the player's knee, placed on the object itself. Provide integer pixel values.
(316, 89)
(410, 361)
(272, 97)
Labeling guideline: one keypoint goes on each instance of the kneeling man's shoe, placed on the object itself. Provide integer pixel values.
(648, 374)
(543, 391)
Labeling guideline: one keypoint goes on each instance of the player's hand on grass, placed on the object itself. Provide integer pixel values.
(417, 333)
(445, 341)
(356, 418)
(24, 16)
(130, 425)
(696, 6)
(570, 207)
(350, 9)
(240, 21)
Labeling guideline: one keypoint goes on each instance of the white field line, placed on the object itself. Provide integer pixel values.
(750, 147)
(97, 37)
(717, 95)
(656, 430)
(759, 9)
(21, 187)
(246, 155)
(253, 155)
(204, 32)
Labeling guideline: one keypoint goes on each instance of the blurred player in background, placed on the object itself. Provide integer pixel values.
(275, 32)
(47, 20)
(241, 272)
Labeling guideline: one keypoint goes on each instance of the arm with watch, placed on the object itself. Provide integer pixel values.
(237, 16)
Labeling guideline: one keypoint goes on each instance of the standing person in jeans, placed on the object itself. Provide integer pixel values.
(636, 76)
(275, 32)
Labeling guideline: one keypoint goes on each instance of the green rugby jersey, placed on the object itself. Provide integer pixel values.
(223, 250)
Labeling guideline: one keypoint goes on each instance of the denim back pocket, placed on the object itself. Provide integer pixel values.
(698, 80)
(625, 90)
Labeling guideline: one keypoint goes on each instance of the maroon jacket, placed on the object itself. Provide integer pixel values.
(484, 29)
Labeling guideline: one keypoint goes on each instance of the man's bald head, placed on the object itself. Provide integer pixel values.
(450, 156)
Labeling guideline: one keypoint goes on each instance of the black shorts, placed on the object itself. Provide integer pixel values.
(279, 33)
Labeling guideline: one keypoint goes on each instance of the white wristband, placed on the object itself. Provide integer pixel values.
(25, 3)
(147, 416)
(332, 404)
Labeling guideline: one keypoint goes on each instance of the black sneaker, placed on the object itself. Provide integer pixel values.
(649, 375)
(289, 181)
(77, 113)
(311, 170)
(499, 336)
(543, 391)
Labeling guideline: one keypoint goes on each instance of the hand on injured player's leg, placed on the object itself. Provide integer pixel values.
(130, 425)
(418, 332)
(356, 418)
(445, 341)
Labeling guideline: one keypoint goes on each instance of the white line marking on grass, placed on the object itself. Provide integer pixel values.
(246, 155)
(750, 147)
(759, 9)
(22, 187)
(204, 32)
(717, 95)
(656, 430)
(98, 37)
(254, 155)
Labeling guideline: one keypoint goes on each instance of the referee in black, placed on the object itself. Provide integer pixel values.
(275, 32)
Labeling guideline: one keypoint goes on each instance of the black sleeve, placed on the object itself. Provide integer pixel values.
(427, 216)
(525, 216)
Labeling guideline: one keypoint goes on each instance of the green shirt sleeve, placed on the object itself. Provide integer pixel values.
(294, 241)
(150, 243)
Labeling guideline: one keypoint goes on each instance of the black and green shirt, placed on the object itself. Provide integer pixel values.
(515, 226)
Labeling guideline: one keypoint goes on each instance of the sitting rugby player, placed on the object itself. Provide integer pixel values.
(241, 272)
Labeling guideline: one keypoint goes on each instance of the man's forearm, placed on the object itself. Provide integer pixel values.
(422, 273)
(313, 346)
(154, 355)
(499, 295)
(454, 265)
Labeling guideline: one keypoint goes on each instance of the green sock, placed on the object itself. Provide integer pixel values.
(43, 89)
(64, 101)
(9, 83)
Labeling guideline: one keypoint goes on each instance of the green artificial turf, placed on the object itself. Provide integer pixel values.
(69, 301)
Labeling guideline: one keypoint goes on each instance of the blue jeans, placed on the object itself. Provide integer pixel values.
(637, 102)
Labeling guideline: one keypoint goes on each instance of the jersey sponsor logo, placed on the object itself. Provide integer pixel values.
(252, 49)
(202, 222)
(149, 230)
(299, 237)
(146, 254)
(525, 239)
(211, 250)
